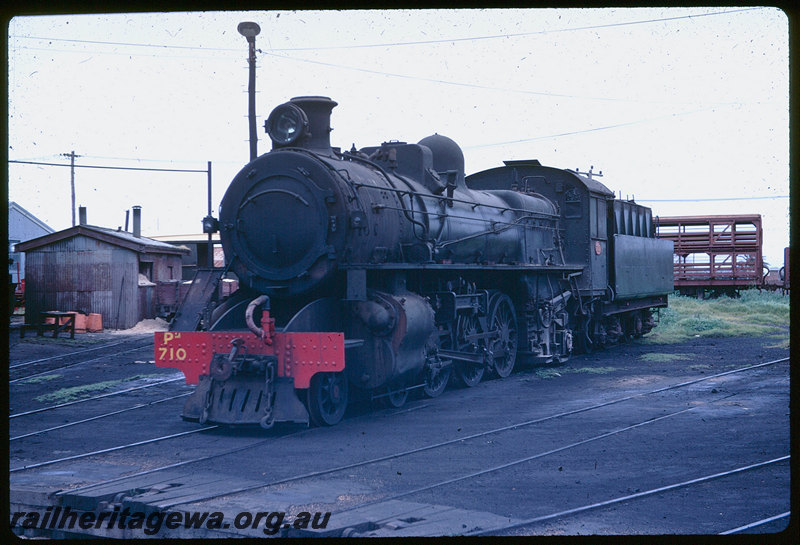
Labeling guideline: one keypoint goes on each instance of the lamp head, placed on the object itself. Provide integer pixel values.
(249, 30)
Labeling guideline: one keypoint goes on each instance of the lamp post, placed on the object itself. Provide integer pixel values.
(250, 30)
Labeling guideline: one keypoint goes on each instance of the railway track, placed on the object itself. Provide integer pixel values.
(94, 398)
(507, 465)
(756, 524)
(98, 417)
(112, 449)
(613, 501)
(92, 349)
(376, 460)
(21, 370)
(459, 440)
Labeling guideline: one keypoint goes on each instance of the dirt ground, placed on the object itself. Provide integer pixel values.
(729, 422)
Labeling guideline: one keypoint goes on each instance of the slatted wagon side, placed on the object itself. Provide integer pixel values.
(721, 254)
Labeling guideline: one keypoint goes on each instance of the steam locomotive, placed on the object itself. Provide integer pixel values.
(386, 269)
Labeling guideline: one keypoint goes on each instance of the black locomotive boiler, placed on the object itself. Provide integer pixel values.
(385, 269)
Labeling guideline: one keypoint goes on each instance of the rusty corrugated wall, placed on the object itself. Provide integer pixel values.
(83, 274)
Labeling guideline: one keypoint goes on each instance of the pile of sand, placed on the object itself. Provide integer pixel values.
(145, 326)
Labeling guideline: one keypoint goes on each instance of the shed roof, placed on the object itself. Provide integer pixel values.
(123, 239)
(14, 206)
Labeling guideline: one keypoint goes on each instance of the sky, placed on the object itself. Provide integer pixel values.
(684, 109)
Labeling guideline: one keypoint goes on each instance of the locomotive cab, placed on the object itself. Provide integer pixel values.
(626, 271)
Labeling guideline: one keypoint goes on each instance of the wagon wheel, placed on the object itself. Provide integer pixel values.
(436, 377)
(327, 398)
(468, 374)
(503, 320)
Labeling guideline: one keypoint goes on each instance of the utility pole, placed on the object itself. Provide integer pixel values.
(250, 30)
(72, 157)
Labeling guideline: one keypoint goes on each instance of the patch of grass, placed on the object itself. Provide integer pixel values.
(63, 395)
(590, 370)
(699, 367)
(39, 379)
(548, 372)
(660, 357)
(783, 342)
(62, 339)
(754, 313)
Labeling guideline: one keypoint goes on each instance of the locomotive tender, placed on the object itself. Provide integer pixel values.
(386, 269)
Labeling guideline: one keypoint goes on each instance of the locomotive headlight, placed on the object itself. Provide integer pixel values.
(286, 124)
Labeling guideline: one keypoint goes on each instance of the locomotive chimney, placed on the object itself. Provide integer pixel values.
(81, 215)
(303, 122)
(318, 110)
(137, 221)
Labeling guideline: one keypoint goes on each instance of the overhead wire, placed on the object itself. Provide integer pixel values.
(418, 42)
(107, 167)
(125, 54)
(582, 131)
(488, 87)
(271, 52)
(205, 171)
(716, 199)
(519, 34)
(339, 66)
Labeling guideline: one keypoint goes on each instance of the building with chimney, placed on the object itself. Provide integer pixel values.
(93, 269)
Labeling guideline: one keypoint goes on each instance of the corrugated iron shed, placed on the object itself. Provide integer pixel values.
(94, 269)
